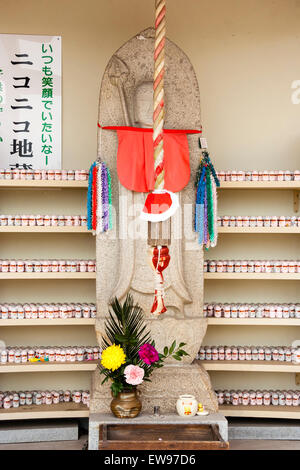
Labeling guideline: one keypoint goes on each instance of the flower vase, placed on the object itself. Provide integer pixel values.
(126, 404)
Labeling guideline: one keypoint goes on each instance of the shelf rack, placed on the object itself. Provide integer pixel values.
(287, 185)
(283, 412)
(12, 368)
(267, 230)
(43, 184)
(257, 366)
(36, 229)
(254, 276)
(252, 321)
(62, 410)
(48, 322)
(47, 276)
(291, 185)
(251, 366)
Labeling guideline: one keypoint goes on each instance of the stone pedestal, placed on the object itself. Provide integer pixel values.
(164, 389)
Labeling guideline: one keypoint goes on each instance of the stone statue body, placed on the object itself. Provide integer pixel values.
(122, 259)
(143, 105)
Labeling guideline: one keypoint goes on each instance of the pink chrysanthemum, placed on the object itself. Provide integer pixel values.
(134, 374)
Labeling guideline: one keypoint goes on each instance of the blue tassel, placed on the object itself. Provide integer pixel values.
(204, 211)
(198, 199)
(199, 213)
(200, 220)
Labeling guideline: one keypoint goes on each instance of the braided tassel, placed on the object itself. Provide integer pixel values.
(89, 197)
(99, 199)
(94, 198)
(109, 200)
(199, 215)
(206, 202)
(206, 236)
(215, 238)
(210, 206)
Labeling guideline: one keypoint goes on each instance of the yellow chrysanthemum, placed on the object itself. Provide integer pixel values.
(113, 357)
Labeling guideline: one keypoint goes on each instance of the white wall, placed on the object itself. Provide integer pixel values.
(246, 55)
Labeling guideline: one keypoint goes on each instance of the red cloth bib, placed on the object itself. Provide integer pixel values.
(135, 161)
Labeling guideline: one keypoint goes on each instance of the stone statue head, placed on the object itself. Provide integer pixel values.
(143, 105)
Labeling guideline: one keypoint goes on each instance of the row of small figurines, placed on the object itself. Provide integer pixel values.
(31, 220)
(258, 397)
(252, 266)
(47, 266)
(50, 311)
(258, 175)
(51, 175)
(248, 353)
(21, 355)
(241, 310)
(40, 397)
(257, 221)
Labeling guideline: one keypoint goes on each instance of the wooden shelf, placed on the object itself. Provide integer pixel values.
(62, 410)
(47, 322)
(254, 276)
(285, 412)
(65, 229)
(251, 366)
(47, 276)
(293, 185)
(48, 367)
(43, 184)
(250, 230)
(252, 321)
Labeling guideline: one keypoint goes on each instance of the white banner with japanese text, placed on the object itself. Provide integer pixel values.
(30, 101)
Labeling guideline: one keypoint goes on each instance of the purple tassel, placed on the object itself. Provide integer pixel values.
(105, 198)
(205, 218)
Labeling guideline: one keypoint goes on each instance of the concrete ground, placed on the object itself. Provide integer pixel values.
(82, 442)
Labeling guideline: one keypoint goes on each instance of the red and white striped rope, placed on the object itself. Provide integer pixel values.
(158, 100)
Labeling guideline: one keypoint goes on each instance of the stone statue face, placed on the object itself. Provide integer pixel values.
(143, 105)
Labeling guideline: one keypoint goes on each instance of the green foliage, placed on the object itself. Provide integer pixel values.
(176, 353)
(125, 326)
(116, 388)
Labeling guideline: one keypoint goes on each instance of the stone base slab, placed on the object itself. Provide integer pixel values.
(39, 431)
(264, 429)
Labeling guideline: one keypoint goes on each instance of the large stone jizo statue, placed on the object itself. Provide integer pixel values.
(122, 255)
